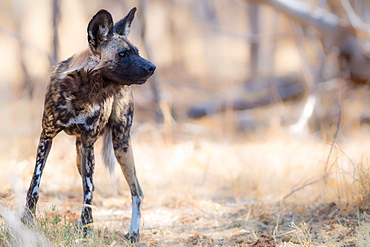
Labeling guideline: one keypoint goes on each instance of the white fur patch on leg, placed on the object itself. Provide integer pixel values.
(136, 214)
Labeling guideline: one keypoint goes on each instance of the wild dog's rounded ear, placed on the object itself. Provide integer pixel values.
(123, 26)
(100, 28)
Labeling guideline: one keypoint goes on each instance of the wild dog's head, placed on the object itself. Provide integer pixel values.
(119, 61)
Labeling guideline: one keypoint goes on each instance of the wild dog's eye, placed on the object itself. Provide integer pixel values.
(121, 54)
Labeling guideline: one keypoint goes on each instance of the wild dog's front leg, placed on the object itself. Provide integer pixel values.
(123, 152)
(87, 170)
(33, 191)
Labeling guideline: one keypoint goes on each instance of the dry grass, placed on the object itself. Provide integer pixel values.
(201, 190)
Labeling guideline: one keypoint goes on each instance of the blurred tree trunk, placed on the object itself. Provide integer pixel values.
(55, 20)
(27, 84)
(154, 79)
(253, 19)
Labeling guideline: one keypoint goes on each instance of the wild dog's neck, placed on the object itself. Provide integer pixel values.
(88, 86)
(85, 59)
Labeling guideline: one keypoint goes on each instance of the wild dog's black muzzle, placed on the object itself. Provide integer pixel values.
(150, 68)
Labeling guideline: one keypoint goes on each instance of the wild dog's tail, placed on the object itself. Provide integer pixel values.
(107, 151)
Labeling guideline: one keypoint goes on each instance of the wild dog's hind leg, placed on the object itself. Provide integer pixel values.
(33, 191)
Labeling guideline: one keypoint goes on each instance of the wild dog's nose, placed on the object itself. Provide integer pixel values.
(150, 67)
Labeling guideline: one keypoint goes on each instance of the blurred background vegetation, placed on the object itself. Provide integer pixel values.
(218, 61)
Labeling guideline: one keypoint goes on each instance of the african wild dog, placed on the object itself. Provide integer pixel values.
(89, 94)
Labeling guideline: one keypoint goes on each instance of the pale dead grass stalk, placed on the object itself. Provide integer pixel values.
(363, 235)
(302, 233)
(18, 234)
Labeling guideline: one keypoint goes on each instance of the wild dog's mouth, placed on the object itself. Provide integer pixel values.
(142, 81)
(122, 79)
(136, 79)
(131, 80)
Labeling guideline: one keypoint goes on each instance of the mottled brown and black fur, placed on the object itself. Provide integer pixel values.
(88, 95)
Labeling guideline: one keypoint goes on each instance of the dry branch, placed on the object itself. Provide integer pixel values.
(344, 34)
(257, 92)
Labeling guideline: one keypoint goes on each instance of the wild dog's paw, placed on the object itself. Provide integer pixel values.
(133, 237)
(28, 217)
(85, 230)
